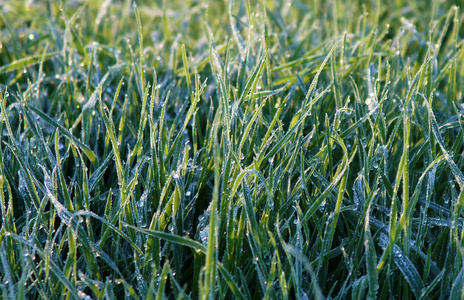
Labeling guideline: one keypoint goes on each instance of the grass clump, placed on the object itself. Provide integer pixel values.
(241, 149)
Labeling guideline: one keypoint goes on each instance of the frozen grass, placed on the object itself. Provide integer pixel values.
(245, 149)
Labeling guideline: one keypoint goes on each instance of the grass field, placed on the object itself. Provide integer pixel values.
(245, 149)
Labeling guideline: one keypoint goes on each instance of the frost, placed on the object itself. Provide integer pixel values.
(142, 208)
(371, 100)
(358, 192)
(22, 188)
(203, 226)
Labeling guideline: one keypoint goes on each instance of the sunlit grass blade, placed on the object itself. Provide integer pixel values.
(26, 62)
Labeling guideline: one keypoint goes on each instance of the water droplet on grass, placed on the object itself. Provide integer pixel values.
(375, 163)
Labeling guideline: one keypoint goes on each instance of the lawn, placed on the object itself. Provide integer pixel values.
(246, 149)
